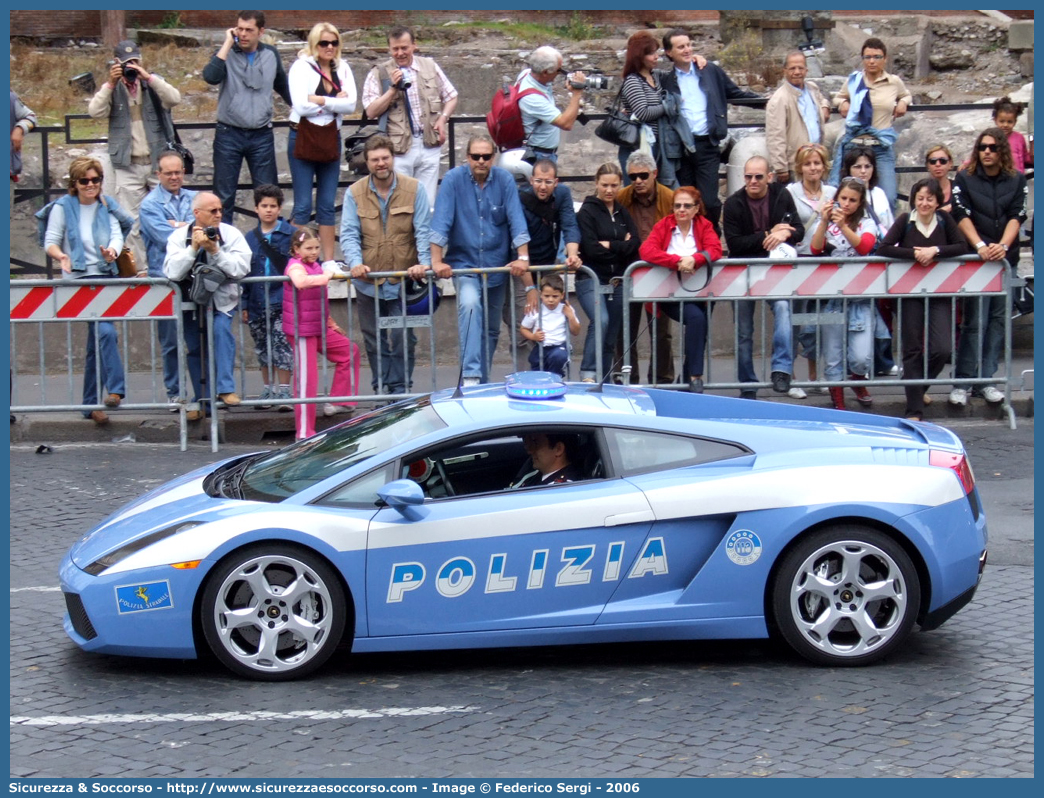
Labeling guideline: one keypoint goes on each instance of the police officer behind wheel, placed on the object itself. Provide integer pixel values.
(550, 456)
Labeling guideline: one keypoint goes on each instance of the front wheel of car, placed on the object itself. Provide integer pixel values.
(273, 612)
(846, 595)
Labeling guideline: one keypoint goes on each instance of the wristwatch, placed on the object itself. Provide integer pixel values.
(530, 288)
(523, 257)
(980, 245)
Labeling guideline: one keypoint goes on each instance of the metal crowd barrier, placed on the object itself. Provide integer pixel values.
(817, 280)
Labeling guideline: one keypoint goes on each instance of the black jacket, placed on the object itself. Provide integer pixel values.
(719, 90)
(991, 202)
(597, 225)
(742, 239)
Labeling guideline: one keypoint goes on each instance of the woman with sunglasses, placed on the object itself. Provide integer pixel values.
(85, 234)
(989, 205)
(685, 241)
(938, 160)
(846, 230)
(810, 193)
(322, 89)
(926, 235)
(609, 242)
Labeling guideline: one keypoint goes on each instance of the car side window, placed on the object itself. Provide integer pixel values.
(642, 450)
(361, 491)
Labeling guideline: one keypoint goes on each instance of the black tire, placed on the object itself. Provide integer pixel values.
(845, 595)
(246, 605)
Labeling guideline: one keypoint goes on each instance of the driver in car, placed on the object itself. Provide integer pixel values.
(551, 455)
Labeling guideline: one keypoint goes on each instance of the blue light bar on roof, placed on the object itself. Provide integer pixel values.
(534, 385)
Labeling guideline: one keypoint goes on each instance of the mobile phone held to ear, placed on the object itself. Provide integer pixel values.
(235, 44)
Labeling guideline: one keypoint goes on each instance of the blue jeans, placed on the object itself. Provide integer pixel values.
(224, 352)
(610, 307)
(982, 337)
(555, 358)
(391, 376)
(694, 316)
(231, 146)
(112, 381)
(782, 343)
(167, 331)
(885, 170)
(859, 319)
(325, 175)
(473, 315)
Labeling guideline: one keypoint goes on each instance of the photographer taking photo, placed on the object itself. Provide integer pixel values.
(540, 116)
(133, 99)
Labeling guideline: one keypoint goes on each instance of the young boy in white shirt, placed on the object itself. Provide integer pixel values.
(550, 326)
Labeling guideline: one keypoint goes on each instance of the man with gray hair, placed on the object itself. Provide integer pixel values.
(211, 241)
(794, 116)
(540, 116)
(647, 201)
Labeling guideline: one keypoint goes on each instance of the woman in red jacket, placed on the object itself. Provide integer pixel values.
(686, 241)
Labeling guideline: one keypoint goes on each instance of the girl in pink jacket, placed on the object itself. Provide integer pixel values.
(305, 315)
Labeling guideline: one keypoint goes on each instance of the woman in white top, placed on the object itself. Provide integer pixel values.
(322, 89)
(861, 162)
(809, 193)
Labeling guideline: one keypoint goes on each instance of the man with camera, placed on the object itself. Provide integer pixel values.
(542, 120)
(136, 102)
(248, 71)
(209, 242)
(418, 100)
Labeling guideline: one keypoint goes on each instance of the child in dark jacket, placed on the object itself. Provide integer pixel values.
(305, 315)
(262, 303)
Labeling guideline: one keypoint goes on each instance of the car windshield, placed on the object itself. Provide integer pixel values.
(308, 462)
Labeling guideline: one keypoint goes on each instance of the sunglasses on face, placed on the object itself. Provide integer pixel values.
(987, 148)
(89, 181)
(938, 161)
(638, 176)
(684, 206)
(873, 57)
(325, 43)
(750, 178)
(480, 156)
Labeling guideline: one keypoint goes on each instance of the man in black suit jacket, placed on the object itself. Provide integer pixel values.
(551, 460)
(701, 90)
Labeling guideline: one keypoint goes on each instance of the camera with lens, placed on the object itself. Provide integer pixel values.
(213, 233)
(595, 80)
(130, 72)
(403, 84)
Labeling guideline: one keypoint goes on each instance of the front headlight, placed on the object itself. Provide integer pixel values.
(124, 552)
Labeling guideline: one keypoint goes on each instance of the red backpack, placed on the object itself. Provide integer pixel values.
(504, 119)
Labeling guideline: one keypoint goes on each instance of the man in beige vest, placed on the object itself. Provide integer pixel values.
(418, 100)
(385, 227)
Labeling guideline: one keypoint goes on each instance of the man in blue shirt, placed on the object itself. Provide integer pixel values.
(478, 219)
(701, 89)
(386, 226)
(167, 207)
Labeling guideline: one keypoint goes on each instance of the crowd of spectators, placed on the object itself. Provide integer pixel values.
(661, 203)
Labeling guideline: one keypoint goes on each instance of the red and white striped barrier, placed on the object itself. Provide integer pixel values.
(813, 279)
(68, 301)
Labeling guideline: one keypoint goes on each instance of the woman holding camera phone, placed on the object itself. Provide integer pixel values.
(322, 89)
(85, 234)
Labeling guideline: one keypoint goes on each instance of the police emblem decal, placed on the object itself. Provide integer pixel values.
(743, 547)
(143, 597)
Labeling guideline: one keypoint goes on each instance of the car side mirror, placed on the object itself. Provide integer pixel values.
(405, 497)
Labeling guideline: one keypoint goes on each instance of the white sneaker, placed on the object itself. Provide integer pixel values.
(819, 390)
(470, 382)
(173, 403)
(992, 395)
(796, 393)
(336, 410)
(959, 397)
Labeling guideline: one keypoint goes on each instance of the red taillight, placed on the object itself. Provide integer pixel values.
(958, 463)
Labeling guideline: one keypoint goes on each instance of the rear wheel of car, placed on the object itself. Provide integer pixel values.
(273, 612)
(845, 595)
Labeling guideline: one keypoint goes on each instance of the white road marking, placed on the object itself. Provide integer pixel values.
(37, 589)
(212, 717)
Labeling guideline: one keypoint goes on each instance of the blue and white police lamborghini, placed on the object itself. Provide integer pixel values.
(690, 517)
